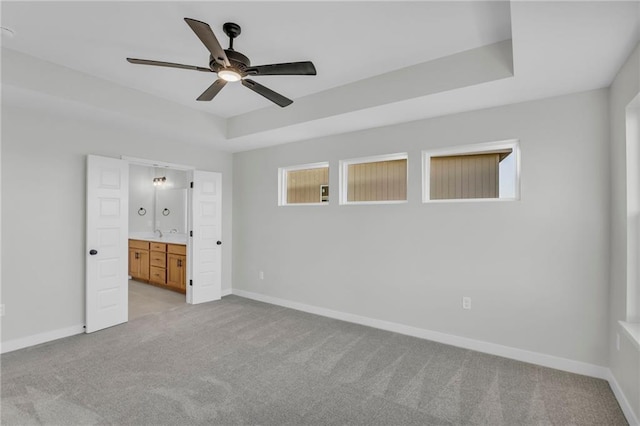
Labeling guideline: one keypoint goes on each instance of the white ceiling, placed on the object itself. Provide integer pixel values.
(558, 48)
(346, 41)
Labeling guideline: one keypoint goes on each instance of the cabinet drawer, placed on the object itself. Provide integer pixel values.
(157, 275)
(158, 247)
(144, 245)
(177, 249)
(158, 259)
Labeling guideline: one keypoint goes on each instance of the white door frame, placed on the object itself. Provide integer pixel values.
(153, 163)
(189, 169)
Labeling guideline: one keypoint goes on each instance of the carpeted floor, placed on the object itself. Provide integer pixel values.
(237, 361)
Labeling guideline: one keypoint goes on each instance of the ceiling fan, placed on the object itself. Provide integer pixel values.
(231, 65)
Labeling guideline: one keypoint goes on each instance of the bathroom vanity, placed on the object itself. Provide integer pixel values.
(163, 264)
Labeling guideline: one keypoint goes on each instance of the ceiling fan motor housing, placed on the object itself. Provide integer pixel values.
(238, 61)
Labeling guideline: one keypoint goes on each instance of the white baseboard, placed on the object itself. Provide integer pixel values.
(449, 339)
(623, 401)
(36, 339)
(537, 358)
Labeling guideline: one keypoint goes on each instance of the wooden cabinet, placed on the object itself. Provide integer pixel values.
(160, 264)
(157, 275)
(139, 259)
(177, 266)
(161, 247)
(158, 259)
(176, 271)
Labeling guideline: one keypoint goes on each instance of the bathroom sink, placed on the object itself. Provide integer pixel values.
(169, 238)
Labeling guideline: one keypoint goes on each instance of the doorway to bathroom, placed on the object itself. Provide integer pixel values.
(192, 259)
(157, 263)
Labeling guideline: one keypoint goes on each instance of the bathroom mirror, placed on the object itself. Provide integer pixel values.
(171, 209)
(158, 200)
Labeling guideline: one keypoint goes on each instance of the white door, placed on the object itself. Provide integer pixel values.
(205, 278)
(106, 250)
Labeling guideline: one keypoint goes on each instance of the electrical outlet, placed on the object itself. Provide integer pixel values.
(261, 275)
(617, 341)
(2, 310)
(466, 302)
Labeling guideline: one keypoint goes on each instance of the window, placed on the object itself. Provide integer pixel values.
(306, 184)
(381, 179)
(474, 172)
(633, 209)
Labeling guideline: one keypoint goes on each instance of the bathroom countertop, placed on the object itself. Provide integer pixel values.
(166, 237)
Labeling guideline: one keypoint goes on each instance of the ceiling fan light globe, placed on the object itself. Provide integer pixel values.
(229, 75)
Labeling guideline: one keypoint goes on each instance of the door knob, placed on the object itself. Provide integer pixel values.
(219, 243)
(93, 252)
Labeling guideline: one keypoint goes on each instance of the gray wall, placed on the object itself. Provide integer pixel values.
(43, 205)
(624, 363)
(536, 269)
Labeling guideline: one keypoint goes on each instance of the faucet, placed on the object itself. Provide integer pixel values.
(159, 233)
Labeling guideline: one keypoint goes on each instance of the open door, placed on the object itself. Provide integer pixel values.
(205, 278)
(106, 250)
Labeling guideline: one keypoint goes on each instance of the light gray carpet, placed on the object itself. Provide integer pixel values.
(237, 361)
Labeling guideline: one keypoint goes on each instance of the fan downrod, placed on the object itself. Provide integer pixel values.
(232, 30)
(237, 59)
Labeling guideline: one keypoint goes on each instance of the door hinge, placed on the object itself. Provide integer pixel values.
(191, 233)
(191, 282)
(191, 185)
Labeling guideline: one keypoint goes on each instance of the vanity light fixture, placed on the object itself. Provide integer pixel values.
(159, 181)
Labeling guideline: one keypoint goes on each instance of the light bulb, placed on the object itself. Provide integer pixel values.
(229, 75)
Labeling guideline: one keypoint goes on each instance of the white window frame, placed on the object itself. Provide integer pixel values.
(477, 148)
(632, 136)
(344, 177)
(282, 183)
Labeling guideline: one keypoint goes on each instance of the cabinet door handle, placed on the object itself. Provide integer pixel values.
(137, 255)
(219, 242)
(179, 263)
(93, 252)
